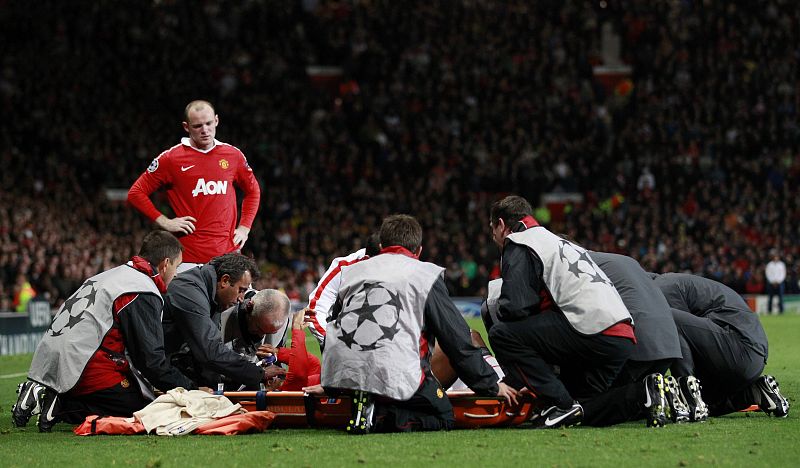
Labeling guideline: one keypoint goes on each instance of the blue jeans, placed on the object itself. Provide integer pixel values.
(772, 290)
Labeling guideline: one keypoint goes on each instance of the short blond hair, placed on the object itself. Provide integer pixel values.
(196, 105)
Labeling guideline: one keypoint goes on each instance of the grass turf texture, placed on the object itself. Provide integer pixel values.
(735, 440)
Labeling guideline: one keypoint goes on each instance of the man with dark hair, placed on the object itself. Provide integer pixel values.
(104, 350)
(555, 307)
(192, 315)
(324, 295)
(390, 311)
(403, 231)
(199, 174)
(723, 344)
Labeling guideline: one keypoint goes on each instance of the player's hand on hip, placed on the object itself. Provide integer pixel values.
(182, 225)
(240, 235)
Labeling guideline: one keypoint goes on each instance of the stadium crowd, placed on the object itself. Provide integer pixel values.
(442, 108)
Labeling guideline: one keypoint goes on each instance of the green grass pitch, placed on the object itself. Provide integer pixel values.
(737, 440)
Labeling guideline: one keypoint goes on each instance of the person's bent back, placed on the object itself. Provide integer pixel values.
(192, 312)
(723, 344)
(104, 350)
(389, 311)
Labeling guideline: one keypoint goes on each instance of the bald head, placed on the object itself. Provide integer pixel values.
(200, 123)
(270, 312)
(196, 106)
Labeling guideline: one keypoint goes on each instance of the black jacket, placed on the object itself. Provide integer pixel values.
(192, 319)
(140, 324)
(656, 333)
(520, 295)
(722, 305)
(444, 322)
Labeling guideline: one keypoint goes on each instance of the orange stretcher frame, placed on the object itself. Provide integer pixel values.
(298, 410)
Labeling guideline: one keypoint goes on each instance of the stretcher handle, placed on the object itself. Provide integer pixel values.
(252, 394)
(481, 416)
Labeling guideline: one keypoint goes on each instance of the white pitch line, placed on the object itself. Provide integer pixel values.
(11, 376)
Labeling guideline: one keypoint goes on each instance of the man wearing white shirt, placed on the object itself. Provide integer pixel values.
(776, 274)
(324, 295)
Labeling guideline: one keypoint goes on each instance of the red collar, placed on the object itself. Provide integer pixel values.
(145, 267)
(529, 221)
(396, 249)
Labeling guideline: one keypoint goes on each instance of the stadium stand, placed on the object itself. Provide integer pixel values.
(441, 108)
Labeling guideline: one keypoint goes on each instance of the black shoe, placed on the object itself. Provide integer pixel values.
(691, 390)
(772, 402)
(677, 408)
(555, 417)
(27, 403)
(363, 413)
(655, 402)
(50, 406)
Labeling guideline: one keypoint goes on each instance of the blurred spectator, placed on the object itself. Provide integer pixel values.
(23, 293)
(755, 283)
(776, 275)
(442, 108)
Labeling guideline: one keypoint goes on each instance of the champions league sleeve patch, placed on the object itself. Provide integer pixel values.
(153, 165)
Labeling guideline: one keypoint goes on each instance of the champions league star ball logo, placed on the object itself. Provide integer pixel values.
(370, 317)
(579, 263)
(72, 311)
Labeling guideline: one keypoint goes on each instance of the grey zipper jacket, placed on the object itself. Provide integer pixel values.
(192, 319)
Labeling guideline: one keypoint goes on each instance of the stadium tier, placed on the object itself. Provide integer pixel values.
(349, 111)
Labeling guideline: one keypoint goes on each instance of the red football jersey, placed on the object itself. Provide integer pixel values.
(201, 184)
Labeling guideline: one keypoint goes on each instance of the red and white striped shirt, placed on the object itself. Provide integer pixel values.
(324, 295)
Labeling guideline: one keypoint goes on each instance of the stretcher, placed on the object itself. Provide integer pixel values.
(298, 410)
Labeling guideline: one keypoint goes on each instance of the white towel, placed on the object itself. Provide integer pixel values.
(180, 411)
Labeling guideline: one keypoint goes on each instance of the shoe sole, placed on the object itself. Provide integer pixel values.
(21, 415)
(359, 424)
(656, 412)
(698, 410)
(678, 409)
(771, 390)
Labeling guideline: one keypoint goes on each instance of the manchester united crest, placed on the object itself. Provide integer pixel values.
(223, 163)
